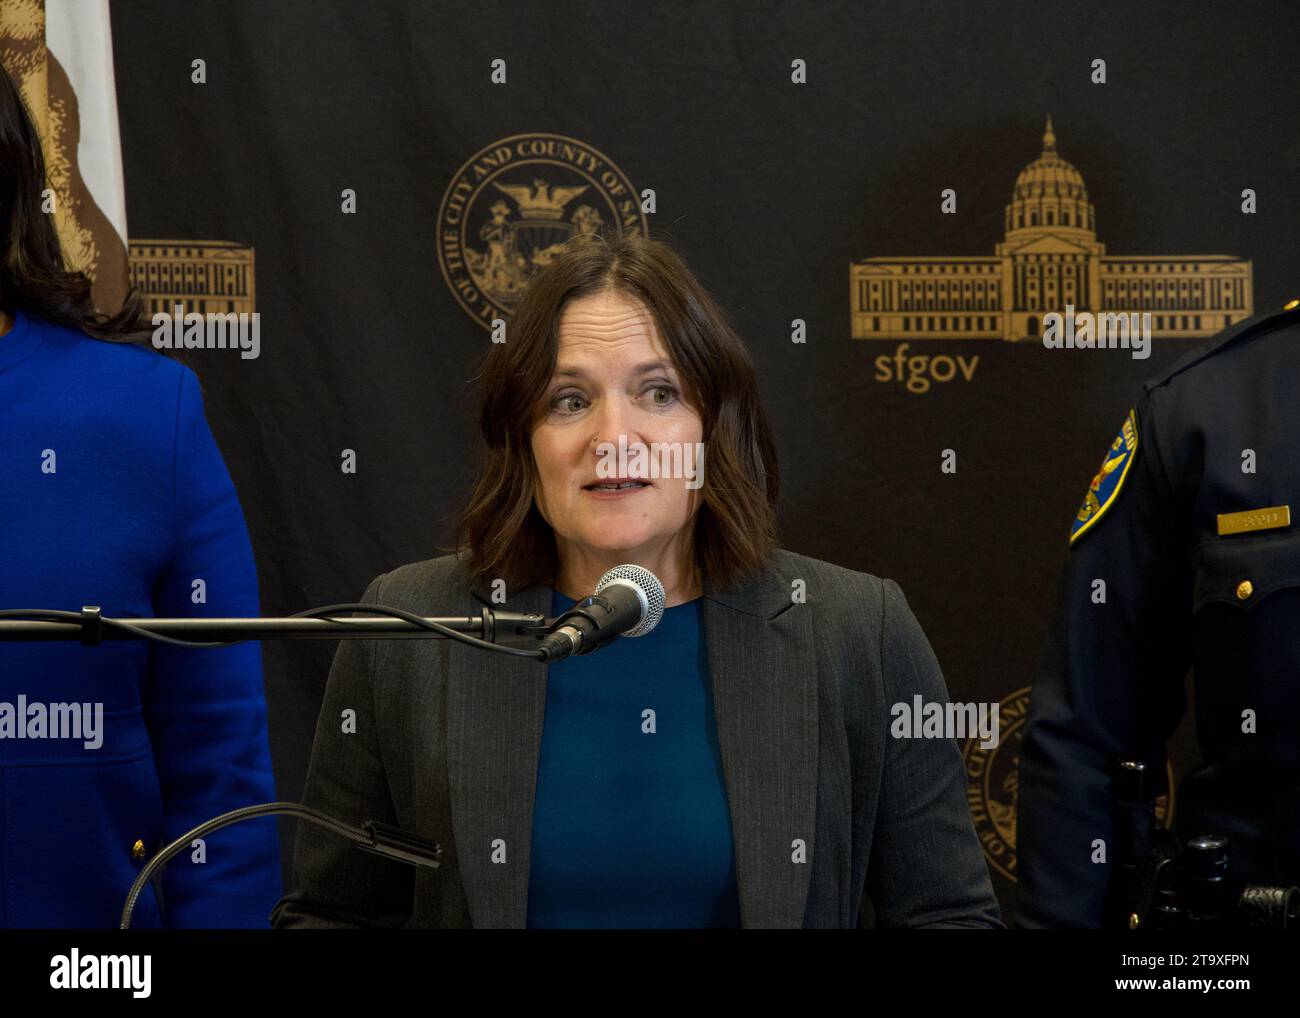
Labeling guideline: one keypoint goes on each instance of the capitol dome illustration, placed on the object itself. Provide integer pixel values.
(1050, 197)
(1049, 260)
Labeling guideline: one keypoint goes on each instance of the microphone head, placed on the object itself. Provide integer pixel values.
(648, 590)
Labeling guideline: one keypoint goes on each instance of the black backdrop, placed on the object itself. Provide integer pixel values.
(769, 189)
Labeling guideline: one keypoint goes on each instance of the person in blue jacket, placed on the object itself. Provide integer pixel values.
(113, 493)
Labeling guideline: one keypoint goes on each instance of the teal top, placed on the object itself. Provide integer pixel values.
(630, 823)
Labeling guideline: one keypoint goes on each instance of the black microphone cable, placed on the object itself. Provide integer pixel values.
(327, 613)
(382, 839)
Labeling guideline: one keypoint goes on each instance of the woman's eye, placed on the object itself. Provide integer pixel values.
(564, 404)
(668, 390)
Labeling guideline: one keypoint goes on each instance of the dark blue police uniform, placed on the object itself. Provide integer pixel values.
(1184, 554)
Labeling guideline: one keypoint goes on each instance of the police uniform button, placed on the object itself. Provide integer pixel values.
(137, 851)
(1244, 589)
(1291, 305)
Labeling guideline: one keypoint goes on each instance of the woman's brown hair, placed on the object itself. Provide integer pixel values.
(500, 531)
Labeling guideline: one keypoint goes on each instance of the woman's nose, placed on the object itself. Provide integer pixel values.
(613, 418)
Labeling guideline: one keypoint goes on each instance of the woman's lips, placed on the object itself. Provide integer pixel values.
(606, 493)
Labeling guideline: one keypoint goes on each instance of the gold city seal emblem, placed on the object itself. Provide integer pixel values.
(514, 204)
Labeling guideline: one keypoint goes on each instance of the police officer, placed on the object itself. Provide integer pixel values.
(1184, 554)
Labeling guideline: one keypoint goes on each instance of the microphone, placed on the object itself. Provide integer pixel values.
(629, 601)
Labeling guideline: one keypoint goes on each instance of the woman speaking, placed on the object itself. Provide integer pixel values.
(734, 766)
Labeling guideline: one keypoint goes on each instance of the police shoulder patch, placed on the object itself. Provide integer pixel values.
(1105, 487)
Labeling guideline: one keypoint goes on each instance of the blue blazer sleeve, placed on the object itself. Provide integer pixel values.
(205, 708)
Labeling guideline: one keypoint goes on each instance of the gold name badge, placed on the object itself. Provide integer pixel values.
(1255, 519)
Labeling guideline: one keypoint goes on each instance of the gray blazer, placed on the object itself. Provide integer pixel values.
(447, 739)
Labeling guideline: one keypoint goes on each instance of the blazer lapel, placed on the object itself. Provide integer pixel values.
(764, 668)
(495, 705)
(762, 664)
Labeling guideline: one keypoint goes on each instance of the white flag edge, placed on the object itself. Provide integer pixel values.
(80, 36)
